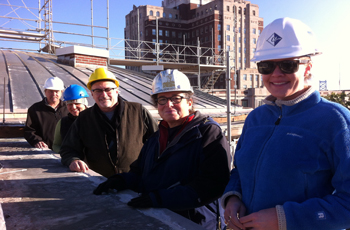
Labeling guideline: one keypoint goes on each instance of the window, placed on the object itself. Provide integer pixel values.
(244, 77)
(160, 32)
(219, 26)
(228, 27)
(251, 77)
(219, 48)
(245, 40)
(254, 12)
(146, 32)
(254, 30)
(254, 49)
(244, 10)
(202, 31)
(245, 50)
(141, 33)
(228, 37)
(219, 37)
(239, 29)
(259, 31)
(167, 33)
(228, 8)
(228, 48)
(193, 33)
(206, 29)
(179, 34)
(176, 16)
(170, 16)
(197, 33)
(160, 41)
(173, 34)
(157, 14)
(164, 15)
(254, 40)
(245, 30)
(256, 77)
(151, 12)
(244, 87)
(154, 41)
(153, 31)
(240, 50)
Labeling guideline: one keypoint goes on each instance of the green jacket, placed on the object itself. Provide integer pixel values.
(108, 147)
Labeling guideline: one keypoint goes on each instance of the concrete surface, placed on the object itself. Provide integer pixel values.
(37, 192)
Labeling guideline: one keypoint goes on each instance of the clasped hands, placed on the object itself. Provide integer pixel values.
(118, 183)
(236, 218)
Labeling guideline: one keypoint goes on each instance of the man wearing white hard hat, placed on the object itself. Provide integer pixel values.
(43, 116)
(292, 161)
(185, 165)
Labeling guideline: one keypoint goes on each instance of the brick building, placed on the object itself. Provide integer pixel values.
(216, 26)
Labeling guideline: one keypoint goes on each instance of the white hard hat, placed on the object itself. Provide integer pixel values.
(54, 83)
(285, 38)
(170, 80)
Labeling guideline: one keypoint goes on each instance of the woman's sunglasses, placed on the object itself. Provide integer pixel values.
(286, 66)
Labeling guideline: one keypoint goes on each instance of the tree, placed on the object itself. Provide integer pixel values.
(341, 98)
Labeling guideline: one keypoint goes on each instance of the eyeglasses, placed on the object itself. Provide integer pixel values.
(286, 66)
(173, 99)
(100, 91)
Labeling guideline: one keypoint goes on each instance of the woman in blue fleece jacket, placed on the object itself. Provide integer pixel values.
(185, 165)
(292, 161)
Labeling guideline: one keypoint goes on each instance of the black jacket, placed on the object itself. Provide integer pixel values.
(41, 122)
(108, 147)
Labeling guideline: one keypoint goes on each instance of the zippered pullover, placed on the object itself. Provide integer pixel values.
(300, 164)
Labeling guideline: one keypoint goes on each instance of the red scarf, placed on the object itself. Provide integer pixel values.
(164, 134)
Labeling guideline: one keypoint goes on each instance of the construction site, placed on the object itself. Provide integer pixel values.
(37, 192)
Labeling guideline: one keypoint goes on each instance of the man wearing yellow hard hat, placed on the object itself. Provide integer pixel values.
(107, 137)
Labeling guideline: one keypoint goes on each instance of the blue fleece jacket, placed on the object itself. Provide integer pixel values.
(296, 157)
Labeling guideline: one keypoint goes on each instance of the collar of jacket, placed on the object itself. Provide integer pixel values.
(70, 116)
(118, 113)
(60, 104)
(197, 120)
(271, 100)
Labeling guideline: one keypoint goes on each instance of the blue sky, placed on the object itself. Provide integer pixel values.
(328, 20)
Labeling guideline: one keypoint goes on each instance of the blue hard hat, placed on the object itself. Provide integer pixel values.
(74, 92)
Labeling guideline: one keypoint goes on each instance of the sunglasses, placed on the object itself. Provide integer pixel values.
(286, 66)
(173, 99)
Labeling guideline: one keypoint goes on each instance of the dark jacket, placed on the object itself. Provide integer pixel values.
(192, 171)
(108, 147)
(41, 122)
(66, 123)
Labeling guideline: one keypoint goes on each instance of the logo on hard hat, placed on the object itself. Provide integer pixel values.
(169, 81)
(274, 39)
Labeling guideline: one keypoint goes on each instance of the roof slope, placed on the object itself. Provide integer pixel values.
(25, 74)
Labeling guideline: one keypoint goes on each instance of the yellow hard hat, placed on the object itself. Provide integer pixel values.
(101, 74)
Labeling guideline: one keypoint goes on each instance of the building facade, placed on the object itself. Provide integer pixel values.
(217, 26)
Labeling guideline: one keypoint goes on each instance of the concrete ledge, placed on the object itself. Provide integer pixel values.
(37, 192)
(82, 50)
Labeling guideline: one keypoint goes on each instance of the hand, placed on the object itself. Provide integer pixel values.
(41, 145)
(235, 209)
(78, 166)
(263, 219)
(143, 201)
(114, 182)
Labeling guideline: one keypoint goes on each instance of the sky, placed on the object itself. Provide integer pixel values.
(327, 19)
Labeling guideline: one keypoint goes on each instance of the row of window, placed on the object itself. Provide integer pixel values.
(239, 10)
(251, 77)
(228, 28)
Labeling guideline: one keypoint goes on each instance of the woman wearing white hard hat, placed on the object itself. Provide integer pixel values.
(185, 165)
(75, 98)
(292, 162)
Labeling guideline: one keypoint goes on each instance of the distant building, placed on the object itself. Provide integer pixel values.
(225, 25)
